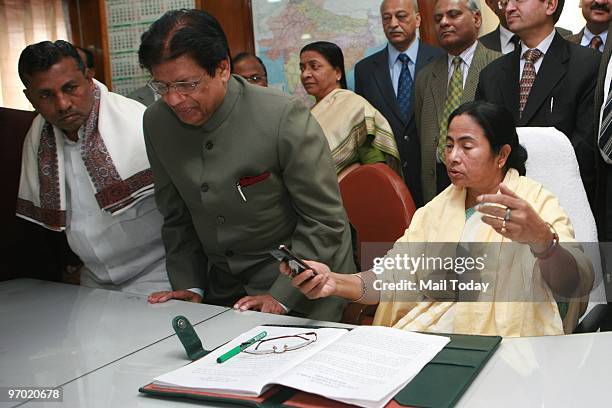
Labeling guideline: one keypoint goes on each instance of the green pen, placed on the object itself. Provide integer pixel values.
(243, 346)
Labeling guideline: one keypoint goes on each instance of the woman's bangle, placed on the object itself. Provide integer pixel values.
(364, 288)
(548, 251)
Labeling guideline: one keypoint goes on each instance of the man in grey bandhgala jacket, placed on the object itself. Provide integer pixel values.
(238, 169)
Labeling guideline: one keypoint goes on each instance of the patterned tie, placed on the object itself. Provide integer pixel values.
(529, 75)
(404, 87)
(453, 100)
(596, 42)
(605, 130)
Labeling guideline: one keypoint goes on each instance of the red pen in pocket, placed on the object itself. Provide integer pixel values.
(249, 181)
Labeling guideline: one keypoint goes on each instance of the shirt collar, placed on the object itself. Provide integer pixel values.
(235, 87)
(587, 36)
(466, 56)
(412, 52)
(504, 35)
(543, 46)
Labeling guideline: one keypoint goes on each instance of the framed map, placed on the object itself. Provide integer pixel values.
(283, 27)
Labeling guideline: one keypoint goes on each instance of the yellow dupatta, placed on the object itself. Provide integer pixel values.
(442, 220)
(347, 119)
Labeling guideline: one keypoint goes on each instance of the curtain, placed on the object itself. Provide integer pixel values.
(24, 22)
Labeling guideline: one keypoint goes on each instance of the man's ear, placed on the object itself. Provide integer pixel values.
(477, 19)
(551, 7)
(417, 18)
(27, 95)
(89, 79)
(224, 69)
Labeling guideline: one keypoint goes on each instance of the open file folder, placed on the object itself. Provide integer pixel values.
(439, 384)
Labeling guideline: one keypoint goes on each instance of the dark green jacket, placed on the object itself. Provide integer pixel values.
(216, 240)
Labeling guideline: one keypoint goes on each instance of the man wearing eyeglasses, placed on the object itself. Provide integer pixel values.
(85, 170)
(238, 170)
(251, 68)
(502, 39)
(547, 81)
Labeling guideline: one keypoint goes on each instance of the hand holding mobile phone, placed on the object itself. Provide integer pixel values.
(283, 254)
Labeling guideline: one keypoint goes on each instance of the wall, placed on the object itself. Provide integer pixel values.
(86, 21)
(237, 21)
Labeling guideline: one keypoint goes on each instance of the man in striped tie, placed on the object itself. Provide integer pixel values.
(547, 81)
(603, 110)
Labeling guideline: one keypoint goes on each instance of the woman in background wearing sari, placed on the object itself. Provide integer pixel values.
(490, 202)
(356, 132)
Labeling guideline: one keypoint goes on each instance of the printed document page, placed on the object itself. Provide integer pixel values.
(367, 366)
(246, 374)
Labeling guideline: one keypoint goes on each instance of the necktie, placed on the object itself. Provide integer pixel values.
(515, 40)
(605, 130)
(528, 77)
(404, 87)
(596, 42)
(453, 100)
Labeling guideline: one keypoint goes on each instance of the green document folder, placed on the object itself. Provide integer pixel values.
(445, 378)
(439, 384)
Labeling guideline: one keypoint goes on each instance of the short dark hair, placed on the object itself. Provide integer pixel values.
(89, 62)
(41, 56)
(332, 53)
(557, 14)
(179, 32)
(244, 55)
(499, 128)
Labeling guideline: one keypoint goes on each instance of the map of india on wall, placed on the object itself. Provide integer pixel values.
(283, 27)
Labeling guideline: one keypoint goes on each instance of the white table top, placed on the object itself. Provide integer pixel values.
(80, 332)
(554, 371)
(117, 384)
(52, 333)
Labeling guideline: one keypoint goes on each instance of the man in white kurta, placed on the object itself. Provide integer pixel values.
(85, 171)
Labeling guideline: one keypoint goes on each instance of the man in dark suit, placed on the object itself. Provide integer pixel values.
(386, 80)
(598, 15)
(603, 210)
(548, 81)
(502, 39)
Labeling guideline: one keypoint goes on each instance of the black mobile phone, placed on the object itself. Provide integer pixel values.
(284, 254)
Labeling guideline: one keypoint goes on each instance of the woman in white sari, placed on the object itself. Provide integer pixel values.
(356, 132)
(533, 257)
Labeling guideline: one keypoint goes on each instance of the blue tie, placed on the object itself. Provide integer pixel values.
(404, 87)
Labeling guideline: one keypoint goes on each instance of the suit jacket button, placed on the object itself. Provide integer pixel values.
(406, 137)
(220, 220)
(404, 164)
(229, 253)
(209, 145)
(204, 187)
